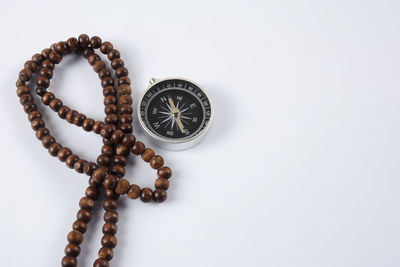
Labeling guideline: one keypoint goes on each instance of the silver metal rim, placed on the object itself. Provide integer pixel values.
(169, 141)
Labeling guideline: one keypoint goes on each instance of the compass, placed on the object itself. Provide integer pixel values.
(175, 112)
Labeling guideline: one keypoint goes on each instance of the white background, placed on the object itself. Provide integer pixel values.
(300, 167)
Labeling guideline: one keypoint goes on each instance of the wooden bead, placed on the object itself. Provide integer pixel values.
(103, 160)
(99, 174)
(47, 97)
(48, 140)
(110, 194)
(111, 119)
(118, 170)
(87, 124)
(164, 172)
(138, 148)
(106, 47)
(97, 126)
(63, 153)
(146, 195)
(54, 148)
(110, 204)
(95, 42)
(43, 81)
(30, 106)
(63, 111)
(110, 182)
(113, 54)
(93, 58)
(89, 167)
(120, 160)
(122, 71)
(156, 162)
(106, 131)
(30, 64)
(109, 241)
(107, 81)
(86, 52)
(116, 63)
(117, 136)
(126, 118)
(161, 183)
(79, 226)
(41, 133)
(104, 73)
(78, 166)
(55, 57)
(83, 40)
(48, 73)
(78, 119)
(70, 161)
(126, 109)
(55, 104)
(122, 150)
(34, 115)
(148, 154)
(61, 48)
(111, 217)
(37, 124)
(25, 74)
(160, 195)
(124, 80)
(109, 229)
(92, 192)
(68, 261)
(72, 250)
(109, 90)
(128, 140)
(73, 44)
(134, 191)
(25, 99)
(106, 253)
(75, 237)
(98, 65)
(101, 263)
(86, 203)
(125, 99)
(48, 64)
(107, 150)
(21, 90)
(84, 215)
(126, 127)
(122, 187)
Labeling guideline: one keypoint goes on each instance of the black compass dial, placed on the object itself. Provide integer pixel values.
(175, 109)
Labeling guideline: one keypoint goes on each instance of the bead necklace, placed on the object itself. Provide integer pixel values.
(116, 131)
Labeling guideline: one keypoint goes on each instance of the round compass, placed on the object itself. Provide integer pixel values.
(175, 112)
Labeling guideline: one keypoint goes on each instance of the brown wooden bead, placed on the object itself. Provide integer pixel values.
(75, 237)
(106, 131)
(25, 99)
(161, 183)
(111, 119)
(120, 72)
(97, 126)
(55, 104)
(48, 140)
(101, 263)
(109, 90)
(164, 172)
(124, 80)
(148, 154)
(78, 166)
(118, 170)
(72, 250)
(109, 241)
(122, 150)
(25, 74)
(109, 229)
(34, 115)
(111, 217)
(37, 124)
(87, 124)
(120, 160)
(48, 73)
(98, 65)
(110, 204)
(117, 136)
(78, 119)
(110, 182)
(43, 81)
(110, 99)
(122, 187)
(86, 52)
(73, 44)
(156, 162)
(126, 118)
(106, 253)
(41, 133)
(63, 153)
(55, 57)
(70, 160)
(99, 174)
(37, 58)
(48, 64)
(125, 99)
(126, 109)
(83, 40)
(46, 52)
(61, 48)
(30, 64)
(134, 191)
(113, 54)
(63, 111)
(93, 58)
(21, 90)
(30, 106)
(107, 150)
(126, 127)
(160, 195)
(89, 167)
(86, 203)
(104, 73)
(146, 195)
(79, 226)
(54, 148)
(47, 97)
(92, 192)
(110, 194)
(138, 148)
(128, 140)
(95, 42)
(106, 47)
(84, 215)
(68, 261)
(117, 63)
(107, 81)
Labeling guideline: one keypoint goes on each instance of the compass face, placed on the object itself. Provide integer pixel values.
(175, 110)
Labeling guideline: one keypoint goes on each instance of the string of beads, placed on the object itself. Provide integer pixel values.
(115, 130)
